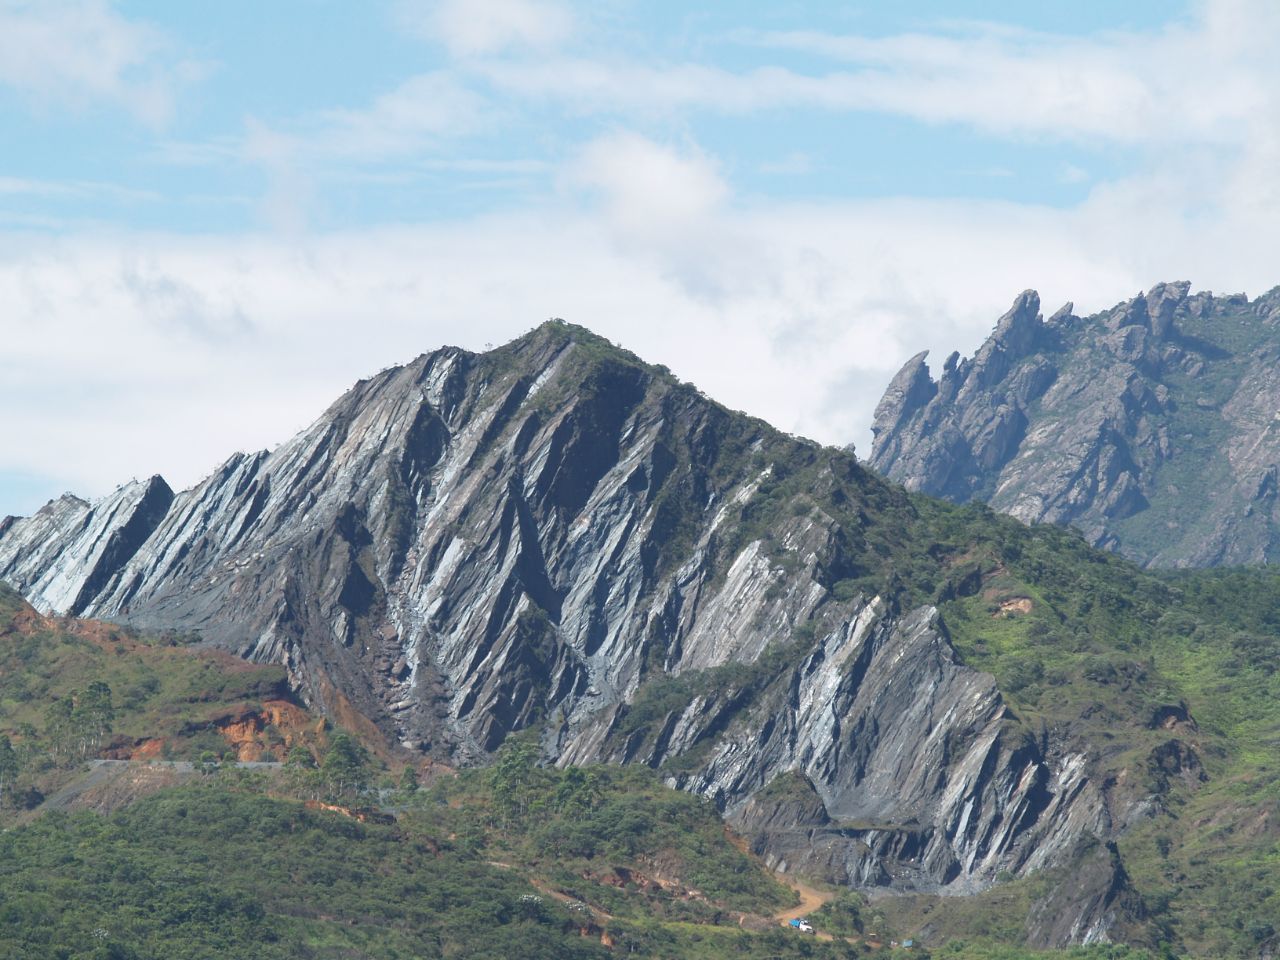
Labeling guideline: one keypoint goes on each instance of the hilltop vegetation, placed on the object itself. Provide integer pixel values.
(1174, 677)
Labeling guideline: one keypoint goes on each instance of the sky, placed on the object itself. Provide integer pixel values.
(214, 218)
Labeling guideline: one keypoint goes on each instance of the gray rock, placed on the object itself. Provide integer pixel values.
(1094, 903)
(68, 553)
(551, 535)
(1150, 427)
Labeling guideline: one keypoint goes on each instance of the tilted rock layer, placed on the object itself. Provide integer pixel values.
(555, 535)
(1152, 427)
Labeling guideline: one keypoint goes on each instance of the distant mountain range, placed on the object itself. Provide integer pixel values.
(1153, 427)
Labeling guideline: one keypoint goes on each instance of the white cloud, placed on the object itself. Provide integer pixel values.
(420, 113)
(78, 53)
(662, 205)
(167, 353)
(1209, 79)
(406, 126)
(423, 109)
(648, 186)
(483, 27)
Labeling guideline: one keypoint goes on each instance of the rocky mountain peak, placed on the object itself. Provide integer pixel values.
(556, 536)
(1163, 301)
(1019, 328)
(909, 390)
(1125, 424)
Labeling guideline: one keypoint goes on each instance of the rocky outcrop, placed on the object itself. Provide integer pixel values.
(878, 760)
(1092, 903)
(555, 535)
(66, 554)
(1150, 427)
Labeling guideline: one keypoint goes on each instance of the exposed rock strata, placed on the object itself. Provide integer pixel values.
(547, 535)
(1151, 427)
(67, 554)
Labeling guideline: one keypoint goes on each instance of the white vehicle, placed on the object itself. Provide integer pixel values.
(801, 924)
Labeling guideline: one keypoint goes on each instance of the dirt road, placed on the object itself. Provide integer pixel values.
(810, 900)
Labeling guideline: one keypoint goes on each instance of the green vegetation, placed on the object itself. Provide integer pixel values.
(1082, 638)
(958, 949)
(211, 873)
(75, 690)
(848, 915)
(157, 689)
(215, 870)
(471, 869)
(615, 836)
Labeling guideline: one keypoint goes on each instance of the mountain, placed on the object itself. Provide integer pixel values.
(874, 687)
(1150, 427)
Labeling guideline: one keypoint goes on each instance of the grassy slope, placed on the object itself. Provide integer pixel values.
(157, 689)
(217, 871)
(1103, 647)
(169, 701)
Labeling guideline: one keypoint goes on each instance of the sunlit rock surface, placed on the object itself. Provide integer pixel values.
(553, 534)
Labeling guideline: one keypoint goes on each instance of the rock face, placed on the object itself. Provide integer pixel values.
(878, 760)
(1152, 427)
(61, 558)
(1094, 902)
(556, 535)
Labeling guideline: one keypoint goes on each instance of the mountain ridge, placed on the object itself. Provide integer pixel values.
(1148, 426)
(556, 537)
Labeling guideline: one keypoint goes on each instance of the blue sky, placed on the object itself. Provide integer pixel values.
(235, 68)
(215, 217)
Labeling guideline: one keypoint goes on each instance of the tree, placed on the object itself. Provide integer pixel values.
(76, 725)
(301, 773)
(58, 726)
(28, 749)
(93, 716)
(514, 779)
(9, 768)
(579, 790)
(409, 780)
(300, 756)
(345, 766)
